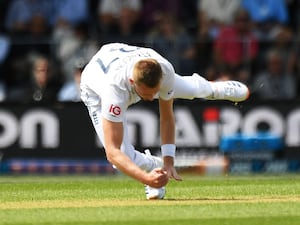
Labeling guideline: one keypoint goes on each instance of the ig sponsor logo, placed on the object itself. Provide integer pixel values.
(115, 110)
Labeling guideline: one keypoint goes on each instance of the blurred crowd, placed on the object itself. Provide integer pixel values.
(45, 44)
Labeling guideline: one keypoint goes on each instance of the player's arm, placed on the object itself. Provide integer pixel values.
(113, 136)
(167, 133)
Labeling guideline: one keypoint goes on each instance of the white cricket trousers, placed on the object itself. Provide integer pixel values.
(186, 87)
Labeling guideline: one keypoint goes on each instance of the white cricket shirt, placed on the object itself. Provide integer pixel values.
(105, 79)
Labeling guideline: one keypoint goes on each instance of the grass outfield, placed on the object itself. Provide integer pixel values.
(91, 200)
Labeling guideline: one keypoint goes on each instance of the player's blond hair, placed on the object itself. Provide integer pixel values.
(147, 72)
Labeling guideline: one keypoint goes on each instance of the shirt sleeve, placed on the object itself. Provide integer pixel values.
(113, 103)
(167, 87)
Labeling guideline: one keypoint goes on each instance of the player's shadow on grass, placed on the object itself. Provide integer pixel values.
(205, 199)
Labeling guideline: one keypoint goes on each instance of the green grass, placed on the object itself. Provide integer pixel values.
(91, 200)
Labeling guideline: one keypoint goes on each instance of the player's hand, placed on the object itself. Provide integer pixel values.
(172, 173)
(169, 167)
(157, 178)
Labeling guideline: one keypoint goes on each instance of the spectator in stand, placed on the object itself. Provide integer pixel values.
(154, 9)
(74, 45)
(293, 61)
(71, 34)
(170, 39)
(27, 23)
(271, 20)
(274, 83)
(70, 91)
(213, 15)
(283, 43)
(3, 10)
(4, 51)
(293, 8)
(28, 17)
(236, 47)
(68, 13)
(41, 87)
(119, 17)
(269, 16)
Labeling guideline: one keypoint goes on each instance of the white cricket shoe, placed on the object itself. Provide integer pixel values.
(154, 193)
(234, 91)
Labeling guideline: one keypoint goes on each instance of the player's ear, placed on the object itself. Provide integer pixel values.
(131, 81)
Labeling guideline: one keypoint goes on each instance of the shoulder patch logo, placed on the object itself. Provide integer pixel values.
(115, 110)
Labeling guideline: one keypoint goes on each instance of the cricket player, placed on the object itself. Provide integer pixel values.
(120, 75)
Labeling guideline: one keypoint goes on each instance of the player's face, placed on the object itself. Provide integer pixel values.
(145, 92)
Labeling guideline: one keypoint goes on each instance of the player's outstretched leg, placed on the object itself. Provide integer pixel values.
(196, 86)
